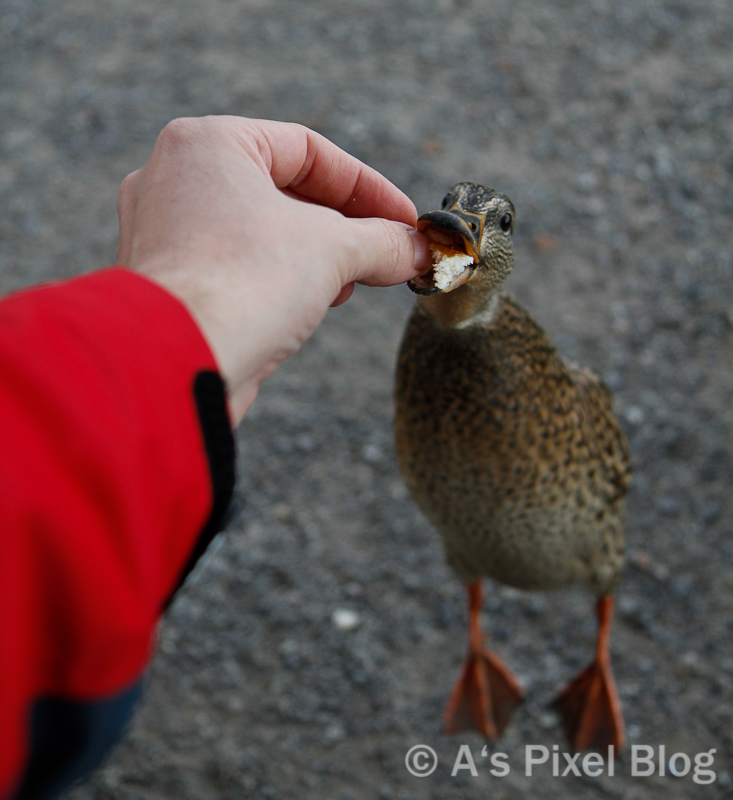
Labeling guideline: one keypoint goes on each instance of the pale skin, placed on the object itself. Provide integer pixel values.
(258, 227)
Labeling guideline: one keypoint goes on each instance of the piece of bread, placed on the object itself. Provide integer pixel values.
(448, 264)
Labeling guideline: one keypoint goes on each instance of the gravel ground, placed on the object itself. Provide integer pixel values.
(610, 126)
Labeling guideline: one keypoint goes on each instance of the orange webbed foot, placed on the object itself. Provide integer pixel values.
(589, 706)
(484, 696)
(486, 692)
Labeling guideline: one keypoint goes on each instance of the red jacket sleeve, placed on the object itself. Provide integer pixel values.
(117, 465)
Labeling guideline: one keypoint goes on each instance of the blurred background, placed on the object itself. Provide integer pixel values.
(320, 640)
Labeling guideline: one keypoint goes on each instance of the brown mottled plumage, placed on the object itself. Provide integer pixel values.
(513, 454)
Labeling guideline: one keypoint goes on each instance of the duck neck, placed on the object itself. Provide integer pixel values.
(459, 307)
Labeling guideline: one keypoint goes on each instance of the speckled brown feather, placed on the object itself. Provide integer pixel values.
(514, 455)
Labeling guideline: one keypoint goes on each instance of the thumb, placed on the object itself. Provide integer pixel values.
(381, 252)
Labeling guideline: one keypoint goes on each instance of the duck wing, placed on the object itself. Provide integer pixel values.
(602, 433)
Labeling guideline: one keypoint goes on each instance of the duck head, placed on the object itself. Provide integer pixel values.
(474, 222)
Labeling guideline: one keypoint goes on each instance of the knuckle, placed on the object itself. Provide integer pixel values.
(178, 132)
(125, 193)
(396, 244)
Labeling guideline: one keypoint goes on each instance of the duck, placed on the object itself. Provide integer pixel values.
(515, 457)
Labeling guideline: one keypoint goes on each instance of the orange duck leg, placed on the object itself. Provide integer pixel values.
(486, 692)
(589, 706)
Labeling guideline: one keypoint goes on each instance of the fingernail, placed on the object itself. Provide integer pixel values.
(423, 260)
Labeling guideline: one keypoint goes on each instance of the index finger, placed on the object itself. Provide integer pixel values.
(308, 164)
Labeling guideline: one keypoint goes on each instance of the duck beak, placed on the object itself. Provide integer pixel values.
(454, 236)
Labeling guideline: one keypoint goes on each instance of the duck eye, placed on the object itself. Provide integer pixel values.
(445, 202)
(506, 222)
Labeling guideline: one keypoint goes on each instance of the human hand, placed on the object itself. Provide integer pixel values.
(258, 227)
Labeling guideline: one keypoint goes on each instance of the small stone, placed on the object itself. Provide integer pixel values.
(289, 653)
(547, 721)
(633, 731)
(669, 506)
(305, 443)
(634, 415)
(235, 704)
(628, 605)
(644, 562)
(682, 585)
(372, 454)
(587, 181)
(412, 582)
(692, 661)
(334, 733)
(544, 243)
(345, 619)
(282, 511)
